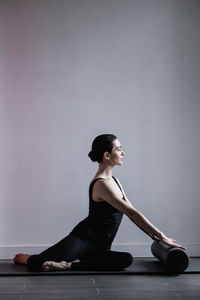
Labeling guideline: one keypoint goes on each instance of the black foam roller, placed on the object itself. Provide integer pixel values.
(175, 260)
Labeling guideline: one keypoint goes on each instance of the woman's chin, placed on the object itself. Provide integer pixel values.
(118, 163)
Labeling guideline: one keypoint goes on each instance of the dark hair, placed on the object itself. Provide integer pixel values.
(102, 143)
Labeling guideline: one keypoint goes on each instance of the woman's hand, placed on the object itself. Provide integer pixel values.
(171, 242)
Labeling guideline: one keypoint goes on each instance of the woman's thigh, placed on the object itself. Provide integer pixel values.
(70, 248)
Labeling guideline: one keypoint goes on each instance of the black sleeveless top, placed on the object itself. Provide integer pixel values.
(102, 222)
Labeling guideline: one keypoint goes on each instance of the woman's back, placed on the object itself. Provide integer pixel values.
(102, 222)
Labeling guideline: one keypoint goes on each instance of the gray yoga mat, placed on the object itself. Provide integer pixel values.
(149, 265)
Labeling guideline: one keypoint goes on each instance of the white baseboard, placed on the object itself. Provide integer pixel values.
(136, 249)
(144, 249)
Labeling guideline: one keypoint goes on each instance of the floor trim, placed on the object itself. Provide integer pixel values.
(136, 249)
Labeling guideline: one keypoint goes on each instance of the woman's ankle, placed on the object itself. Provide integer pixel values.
(66, 265)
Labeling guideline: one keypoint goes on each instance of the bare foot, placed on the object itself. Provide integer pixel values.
(21, 259)
(56, 266)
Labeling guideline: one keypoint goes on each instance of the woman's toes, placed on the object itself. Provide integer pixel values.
(47, 265)
(21, 258)
(45, 268)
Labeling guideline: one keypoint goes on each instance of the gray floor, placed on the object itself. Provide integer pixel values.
(105, 287)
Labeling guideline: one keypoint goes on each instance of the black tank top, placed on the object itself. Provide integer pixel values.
(102, 222)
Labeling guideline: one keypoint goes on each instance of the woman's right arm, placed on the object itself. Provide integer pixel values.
(108, 194)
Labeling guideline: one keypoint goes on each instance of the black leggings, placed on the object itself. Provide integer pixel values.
(91, 256)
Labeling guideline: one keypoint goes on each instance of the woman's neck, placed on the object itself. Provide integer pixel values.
(104, 171)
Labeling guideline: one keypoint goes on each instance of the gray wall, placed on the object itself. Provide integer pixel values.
(76, 69)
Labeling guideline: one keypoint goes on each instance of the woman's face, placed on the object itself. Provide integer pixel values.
(117, 154)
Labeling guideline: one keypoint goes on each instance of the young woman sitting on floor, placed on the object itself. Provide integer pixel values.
(90, 241)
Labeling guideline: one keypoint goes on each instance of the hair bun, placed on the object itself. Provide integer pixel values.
(101, 144)
(92, 155)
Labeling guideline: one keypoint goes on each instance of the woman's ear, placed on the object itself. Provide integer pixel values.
(106, 155)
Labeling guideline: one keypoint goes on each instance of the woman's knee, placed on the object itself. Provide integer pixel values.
(127, 259)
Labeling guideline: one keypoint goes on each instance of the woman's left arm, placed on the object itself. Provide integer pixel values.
(162, 237)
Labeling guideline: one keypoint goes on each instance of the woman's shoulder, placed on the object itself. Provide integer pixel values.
(102, 179)
(105, 184)
(100, 182)
(96, 178)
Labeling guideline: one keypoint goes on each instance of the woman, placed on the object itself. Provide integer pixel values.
(90, 241)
